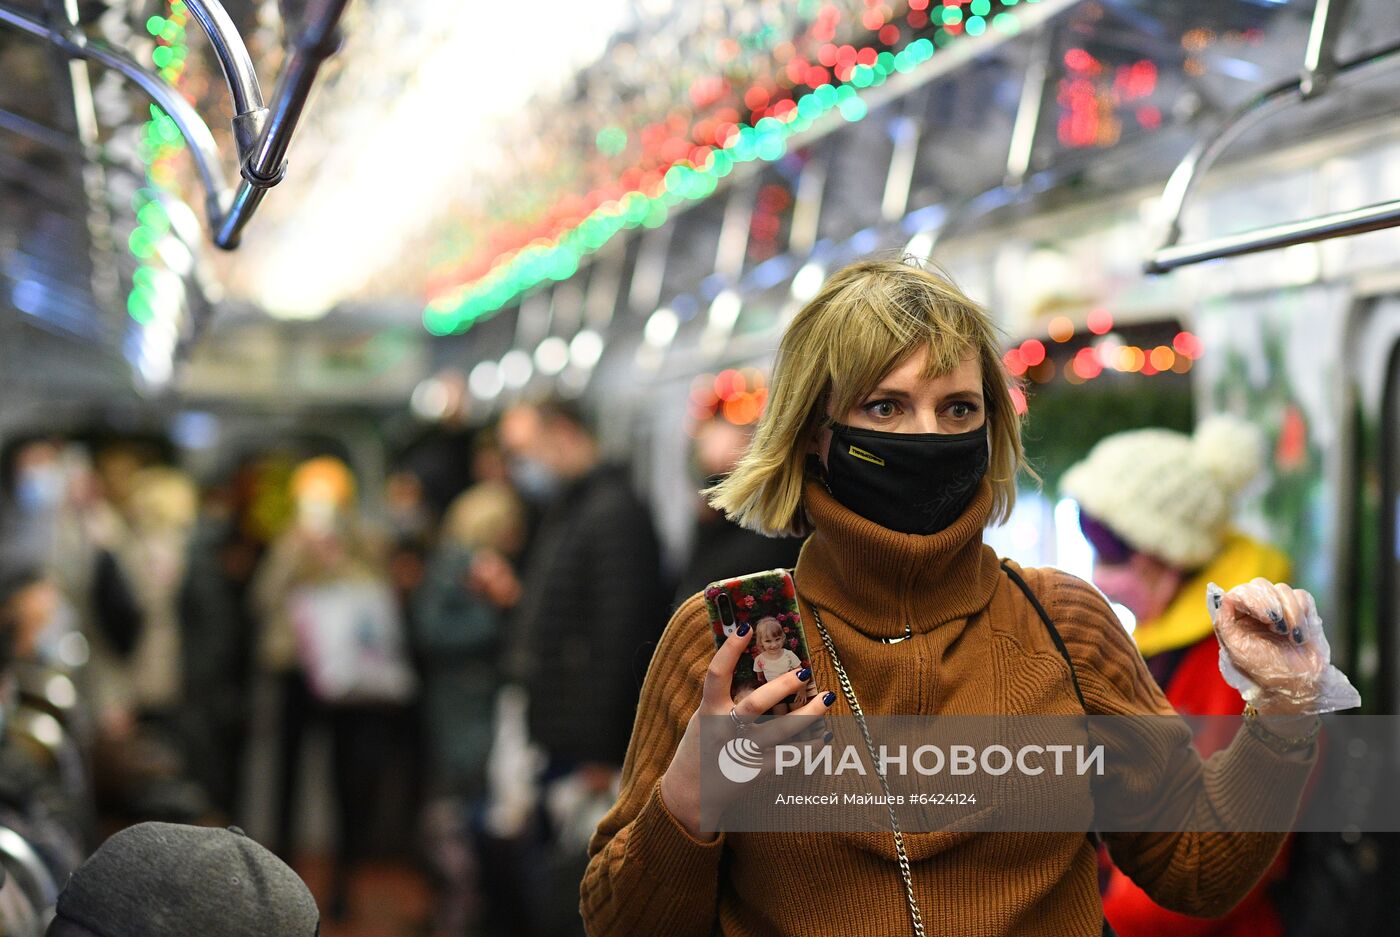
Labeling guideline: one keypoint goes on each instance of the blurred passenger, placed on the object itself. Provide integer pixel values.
(409, 517)
(119, 463)
(590, 605)
(441, 456)
(31, 612)
(489, 464)
(41, 802)
(35, 489)
(327, 564)
(169, 880)
(43, 520)
(722, 546)
(459, 610)
(216, 633)
(58, 520)
(145, 744)
(411, 532)
(162, 506)
(1156, 505)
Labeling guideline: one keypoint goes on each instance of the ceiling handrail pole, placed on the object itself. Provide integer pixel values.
(266, 163)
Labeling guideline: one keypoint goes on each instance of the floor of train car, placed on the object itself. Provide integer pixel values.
(387, 899)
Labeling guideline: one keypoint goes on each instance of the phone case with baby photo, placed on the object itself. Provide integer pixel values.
(767, 603)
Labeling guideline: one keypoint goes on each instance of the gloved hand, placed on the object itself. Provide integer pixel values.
(1273, 650)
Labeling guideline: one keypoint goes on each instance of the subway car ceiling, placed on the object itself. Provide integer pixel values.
(1029, 169)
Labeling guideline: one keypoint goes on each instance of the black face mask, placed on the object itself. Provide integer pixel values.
(914, 483)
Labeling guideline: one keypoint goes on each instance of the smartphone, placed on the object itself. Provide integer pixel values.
(767, 603)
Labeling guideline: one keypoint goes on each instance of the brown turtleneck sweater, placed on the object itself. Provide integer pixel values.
(978, 647)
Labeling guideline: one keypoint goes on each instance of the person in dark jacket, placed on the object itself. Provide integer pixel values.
(592, 594)
(592, 590)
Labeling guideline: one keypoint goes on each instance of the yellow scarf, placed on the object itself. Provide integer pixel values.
(1186, 620)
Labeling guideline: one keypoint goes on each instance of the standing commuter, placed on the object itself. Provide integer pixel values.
(591, 602)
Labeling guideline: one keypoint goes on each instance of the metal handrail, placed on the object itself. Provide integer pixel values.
(239, 73)
(265, 165)
(262, 134)
(1323, 227)
(1319, 76)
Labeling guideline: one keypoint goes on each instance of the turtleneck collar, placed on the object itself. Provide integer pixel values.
(879, 580)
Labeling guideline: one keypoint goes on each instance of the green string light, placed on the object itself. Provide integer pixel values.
(766, 140)
(611, 140)
(160, 138)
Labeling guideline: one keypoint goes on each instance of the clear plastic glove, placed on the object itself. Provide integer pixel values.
(1273, 650)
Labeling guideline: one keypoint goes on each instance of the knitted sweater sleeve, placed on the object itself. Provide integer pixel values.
(646, 873)
(1198, 873)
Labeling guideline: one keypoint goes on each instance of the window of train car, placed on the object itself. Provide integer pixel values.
(1121, 72)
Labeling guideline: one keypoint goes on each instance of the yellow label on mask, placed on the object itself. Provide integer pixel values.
(870, 457)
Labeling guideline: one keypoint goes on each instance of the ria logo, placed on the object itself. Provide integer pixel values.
(740, 760)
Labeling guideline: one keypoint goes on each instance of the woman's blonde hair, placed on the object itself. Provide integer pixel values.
(163, 498)
(486, 515)
(866, 319)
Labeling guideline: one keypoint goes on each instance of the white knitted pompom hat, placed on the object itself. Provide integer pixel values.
(1165, 493)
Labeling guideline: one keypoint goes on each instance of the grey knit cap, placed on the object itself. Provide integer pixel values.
(169, 880)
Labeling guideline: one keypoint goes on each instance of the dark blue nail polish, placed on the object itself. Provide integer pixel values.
(804, 674)
(828, 737)
(743, 629)
(829, 698)
(1297, 635)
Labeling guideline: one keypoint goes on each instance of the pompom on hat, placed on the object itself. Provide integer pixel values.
(1165, 493)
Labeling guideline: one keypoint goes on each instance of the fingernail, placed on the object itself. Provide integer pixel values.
(804, 674)
(829, 698)
(828, 737)
(742, 630)
(1280, 627)
(1275, 615)
(1297, 635)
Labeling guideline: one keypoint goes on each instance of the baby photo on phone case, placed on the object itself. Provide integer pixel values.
(767, 603)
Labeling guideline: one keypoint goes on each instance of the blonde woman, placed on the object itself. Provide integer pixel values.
(891, 438)
(459, 612)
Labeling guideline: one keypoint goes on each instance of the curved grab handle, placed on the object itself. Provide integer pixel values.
(187, 119)
(1205, 152)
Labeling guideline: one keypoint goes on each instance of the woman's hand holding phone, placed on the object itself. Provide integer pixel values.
(680, 785)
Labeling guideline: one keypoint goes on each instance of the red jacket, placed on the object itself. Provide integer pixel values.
(1196, 688)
